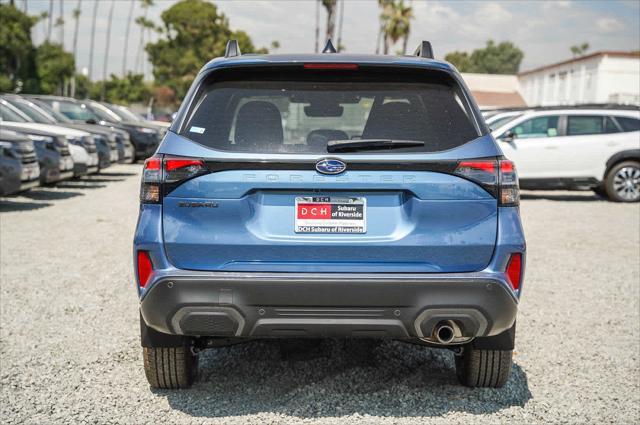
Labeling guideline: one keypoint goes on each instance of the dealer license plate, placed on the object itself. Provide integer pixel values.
(321, 214)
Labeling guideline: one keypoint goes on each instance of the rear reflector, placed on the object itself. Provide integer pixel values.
(145, 267)
(514, 270)
(344, 66)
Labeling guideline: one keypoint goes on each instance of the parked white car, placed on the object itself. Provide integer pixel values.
(576, 148)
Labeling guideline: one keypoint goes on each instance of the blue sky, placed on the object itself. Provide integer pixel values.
(544, 30)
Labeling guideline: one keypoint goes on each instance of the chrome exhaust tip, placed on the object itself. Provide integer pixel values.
(444, 332)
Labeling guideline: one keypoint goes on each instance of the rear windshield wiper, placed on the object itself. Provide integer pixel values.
(370, 145)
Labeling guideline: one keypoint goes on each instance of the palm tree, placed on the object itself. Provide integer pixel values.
(93, 38)
(317, 25)
(106, 50)
(60, 23)
(50, 16)
(126, 38)
(76, 17)
(385, 13)
(398, 25)
(339, 46)
(330, 5)
(143, 28)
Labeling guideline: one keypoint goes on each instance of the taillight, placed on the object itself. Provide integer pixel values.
(145, 268)
(514, 270)
(509, 188)
(498, 177)
(161, 175)
(151, 180)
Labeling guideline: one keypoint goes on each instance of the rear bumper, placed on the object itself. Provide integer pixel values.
(327, 305)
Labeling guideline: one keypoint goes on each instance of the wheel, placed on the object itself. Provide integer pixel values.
(170, 367)
(623, 182)
(483, 368)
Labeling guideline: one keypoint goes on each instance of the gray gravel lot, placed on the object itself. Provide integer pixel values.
(70, 346)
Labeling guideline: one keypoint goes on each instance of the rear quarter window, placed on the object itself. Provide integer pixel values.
(628, 123)
(296, 111)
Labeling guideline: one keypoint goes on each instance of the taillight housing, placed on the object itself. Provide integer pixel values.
(514, 270)
(497, 176)
(162, 174)
(144, 268)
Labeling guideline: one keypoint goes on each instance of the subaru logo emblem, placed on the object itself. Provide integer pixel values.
(330, 166)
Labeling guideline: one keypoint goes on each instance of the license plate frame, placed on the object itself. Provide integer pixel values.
(330, 215)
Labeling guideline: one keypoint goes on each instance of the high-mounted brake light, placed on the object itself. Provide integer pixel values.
(343, 66)
(514, 270)
(161, 175)
(498, 177)
(144, 268)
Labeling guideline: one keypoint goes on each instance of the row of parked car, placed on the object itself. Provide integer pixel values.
(594, 147)
(46, 139)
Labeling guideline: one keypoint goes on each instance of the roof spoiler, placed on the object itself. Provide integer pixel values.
(424, 50)
(232, 49)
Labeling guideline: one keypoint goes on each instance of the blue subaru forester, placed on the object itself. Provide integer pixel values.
(329, 195)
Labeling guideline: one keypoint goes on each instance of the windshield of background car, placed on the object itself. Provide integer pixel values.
(55, 114)
(32, 113)
(124, 113)
(499, 122)
(72, 110)
(8, 115)
(104, 113)
(301, 111)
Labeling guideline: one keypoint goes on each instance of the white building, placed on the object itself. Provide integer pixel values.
(600, 77)
(494, 90)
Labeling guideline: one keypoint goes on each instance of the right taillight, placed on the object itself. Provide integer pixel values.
(498, 177)
(161, 175)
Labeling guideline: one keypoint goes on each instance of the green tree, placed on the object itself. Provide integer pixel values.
(126, 90)
(503, 58)
(54, 67)
(398, 25)
(193, 33)
(17, 55)
(579, 49)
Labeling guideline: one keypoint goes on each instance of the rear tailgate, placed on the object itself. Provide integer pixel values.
(267, 204)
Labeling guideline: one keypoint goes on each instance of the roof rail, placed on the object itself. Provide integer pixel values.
(609, 106)
(232, 49)
(424, 50)
(329, 48)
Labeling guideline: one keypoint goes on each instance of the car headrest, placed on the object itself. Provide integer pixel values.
(258, 123)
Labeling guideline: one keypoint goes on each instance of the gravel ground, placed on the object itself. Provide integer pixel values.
(70, 349)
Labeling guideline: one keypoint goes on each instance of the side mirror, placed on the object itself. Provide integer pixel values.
(91, 121)
(508, 136)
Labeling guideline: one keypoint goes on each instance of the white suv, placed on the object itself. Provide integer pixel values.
(596, 149)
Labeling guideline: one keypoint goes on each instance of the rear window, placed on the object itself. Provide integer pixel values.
(301, 111)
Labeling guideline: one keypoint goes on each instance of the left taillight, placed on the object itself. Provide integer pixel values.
(161, 175)
(514, 270)
(498, 177)
(144, 268)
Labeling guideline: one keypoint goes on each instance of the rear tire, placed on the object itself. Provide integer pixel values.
(170, 367)
(483, 368)
(622, 183)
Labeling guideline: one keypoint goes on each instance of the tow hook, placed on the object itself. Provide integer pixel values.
(457, 351)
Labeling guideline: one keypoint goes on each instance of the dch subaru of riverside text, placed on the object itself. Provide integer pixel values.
(329, 195)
